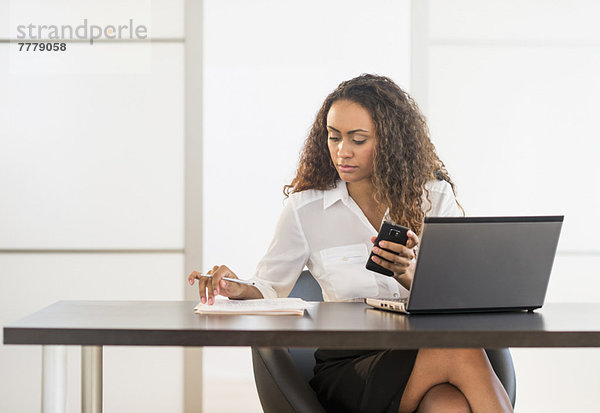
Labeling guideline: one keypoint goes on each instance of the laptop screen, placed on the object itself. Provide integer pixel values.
(484, 263)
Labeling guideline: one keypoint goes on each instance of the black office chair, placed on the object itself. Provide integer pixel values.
(282, 374)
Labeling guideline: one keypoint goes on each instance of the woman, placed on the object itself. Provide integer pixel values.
(368, 158)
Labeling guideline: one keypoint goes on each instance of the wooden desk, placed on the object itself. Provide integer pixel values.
(93, 324)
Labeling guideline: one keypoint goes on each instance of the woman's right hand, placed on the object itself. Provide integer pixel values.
(209, 287)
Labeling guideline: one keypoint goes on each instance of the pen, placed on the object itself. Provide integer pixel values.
(233, 280)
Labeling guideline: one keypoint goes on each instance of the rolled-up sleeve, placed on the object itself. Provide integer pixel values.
(285, 258)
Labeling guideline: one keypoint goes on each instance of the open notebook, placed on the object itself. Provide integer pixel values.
(268, 306)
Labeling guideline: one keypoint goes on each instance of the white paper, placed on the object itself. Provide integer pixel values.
(269, 306)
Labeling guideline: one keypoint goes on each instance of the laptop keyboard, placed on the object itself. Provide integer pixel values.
(398, 300)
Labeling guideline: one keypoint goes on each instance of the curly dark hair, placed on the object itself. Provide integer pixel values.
(405, 158)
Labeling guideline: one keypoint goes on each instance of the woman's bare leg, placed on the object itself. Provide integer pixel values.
(444, 398)
(469, 370)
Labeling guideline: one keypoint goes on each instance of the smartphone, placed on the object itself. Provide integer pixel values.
(388, 232)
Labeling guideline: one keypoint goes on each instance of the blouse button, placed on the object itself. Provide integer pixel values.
(396, 295)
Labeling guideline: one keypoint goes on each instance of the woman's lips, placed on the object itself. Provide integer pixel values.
(347, 168)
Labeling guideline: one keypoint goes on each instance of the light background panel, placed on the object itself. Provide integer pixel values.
(575, 278)
(4, 19)
(556, 380)
(515, 21)
(518, 130)
(91, 157)
(135, 379)
(93, 161)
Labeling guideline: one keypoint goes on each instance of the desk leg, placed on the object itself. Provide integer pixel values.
(54, 379)
(91, 379)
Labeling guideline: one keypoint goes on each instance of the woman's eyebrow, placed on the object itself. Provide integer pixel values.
(349, 132)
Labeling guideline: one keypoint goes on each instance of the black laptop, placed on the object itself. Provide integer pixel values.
(474, 264)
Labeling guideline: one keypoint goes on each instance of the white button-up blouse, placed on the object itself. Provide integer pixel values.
(327, 232)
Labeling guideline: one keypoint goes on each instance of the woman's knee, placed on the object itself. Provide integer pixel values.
(444, 398)
(456, 363)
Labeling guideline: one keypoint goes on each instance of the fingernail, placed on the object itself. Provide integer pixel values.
(215, 292)
(210, 301)
(375, 250)
(375, 259)
(382, 243)
(203, 300)
(223, 283)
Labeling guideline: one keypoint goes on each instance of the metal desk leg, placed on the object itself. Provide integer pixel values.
(54, 379)
(91, 379)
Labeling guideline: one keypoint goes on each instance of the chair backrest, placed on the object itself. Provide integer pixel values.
(281, 387)
(308, 289)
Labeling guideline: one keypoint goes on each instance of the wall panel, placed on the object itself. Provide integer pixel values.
(93, 160)
(514, 21)
(517, 128)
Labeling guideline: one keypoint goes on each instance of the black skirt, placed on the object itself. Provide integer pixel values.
(362, 380)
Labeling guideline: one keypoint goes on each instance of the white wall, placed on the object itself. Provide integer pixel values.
(268, 66)
(91, 158)
(512, 101)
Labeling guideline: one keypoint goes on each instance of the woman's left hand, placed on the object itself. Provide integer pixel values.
(400, 261)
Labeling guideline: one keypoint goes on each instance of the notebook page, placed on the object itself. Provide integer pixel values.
(269, 306)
